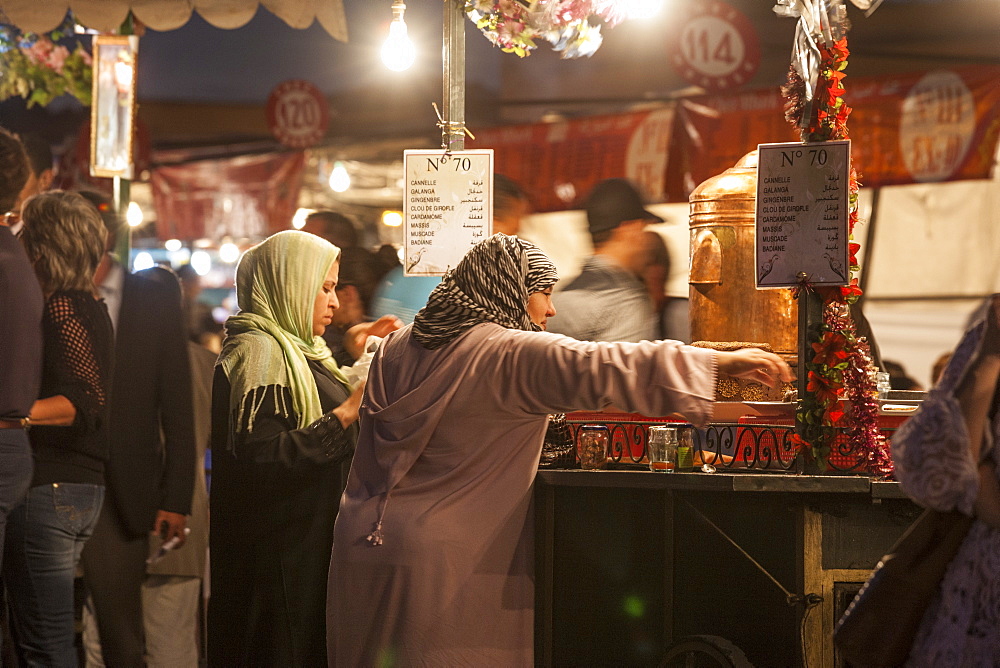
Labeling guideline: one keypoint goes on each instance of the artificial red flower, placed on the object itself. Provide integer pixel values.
(840, 50)
(833, 94)
(799, 442)
(827, 390)
(831, 351)
(834, 415)
(843, 113)
(851, 292)
(852, 253)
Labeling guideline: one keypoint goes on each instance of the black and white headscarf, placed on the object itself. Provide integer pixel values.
(492, 283)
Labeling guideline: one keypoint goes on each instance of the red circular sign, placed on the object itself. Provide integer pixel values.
(715, 47)
(297, 113)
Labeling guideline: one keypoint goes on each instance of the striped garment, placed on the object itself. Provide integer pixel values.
(492, 283)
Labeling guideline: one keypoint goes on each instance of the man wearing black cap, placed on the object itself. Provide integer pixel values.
(607, 301)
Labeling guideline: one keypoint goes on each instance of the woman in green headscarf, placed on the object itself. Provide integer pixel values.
(283, 431)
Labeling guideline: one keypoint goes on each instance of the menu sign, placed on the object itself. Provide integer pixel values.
(802, 211)
(447, 207)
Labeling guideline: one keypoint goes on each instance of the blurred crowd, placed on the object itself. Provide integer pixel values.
(106, 401)
(115, 385)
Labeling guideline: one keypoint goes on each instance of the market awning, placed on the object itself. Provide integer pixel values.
(108, 15)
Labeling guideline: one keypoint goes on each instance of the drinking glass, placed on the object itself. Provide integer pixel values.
(661, 449)
(883, 384)
(685, 448)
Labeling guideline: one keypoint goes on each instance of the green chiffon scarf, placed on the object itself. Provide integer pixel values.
(269, 342)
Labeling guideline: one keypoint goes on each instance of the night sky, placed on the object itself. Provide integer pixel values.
(199, 62)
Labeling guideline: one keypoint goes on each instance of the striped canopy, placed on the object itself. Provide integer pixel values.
(107, 15)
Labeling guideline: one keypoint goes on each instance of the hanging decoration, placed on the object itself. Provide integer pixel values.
(841, 367)
(573, 27)
(112, 119)
(41, 68)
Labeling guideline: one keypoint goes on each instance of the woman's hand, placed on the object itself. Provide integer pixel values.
(347, 412)
(355, 337)
(755, 364)
(56, 411)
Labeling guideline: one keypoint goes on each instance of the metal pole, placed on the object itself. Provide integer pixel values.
(810, 307)
(123, 187)
(453, 59)
(123, 244)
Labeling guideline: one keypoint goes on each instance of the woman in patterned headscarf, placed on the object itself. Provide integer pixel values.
(432, 561)
(283, 431)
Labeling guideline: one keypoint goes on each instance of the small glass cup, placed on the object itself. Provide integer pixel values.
(661, 449)
(685, 449)
(592, 446)
(883, 384)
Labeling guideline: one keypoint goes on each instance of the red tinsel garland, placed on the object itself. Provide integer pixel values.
(841, 366)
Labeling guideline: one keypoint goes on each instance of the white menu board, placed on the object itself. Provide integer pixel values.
(802, 212)
(447, 207)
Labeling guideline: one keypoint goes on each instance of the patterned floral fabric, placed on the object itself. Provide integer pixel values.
(934, 464)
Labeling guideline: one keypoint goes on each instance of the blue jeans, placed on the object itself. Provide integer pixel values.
(45, 535)
(16, 465)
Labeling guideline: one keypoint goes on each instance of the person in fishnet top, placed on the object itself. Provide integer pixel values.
(64, 239)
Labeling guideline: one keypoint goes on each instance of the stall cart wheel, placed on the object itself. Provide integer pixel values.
(704, 652)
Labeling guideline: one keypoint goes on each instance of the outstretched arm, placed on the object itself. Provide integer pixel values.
(755, 364)
(355, 337)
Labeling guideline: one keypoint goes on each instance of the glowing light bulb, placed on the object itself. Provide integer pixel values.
(392, 218)
(173, 245)
(142, 261)
(643, 9)
(229, 252)
(299, 219)
(201, 262)
(398, 52)
(340, 180)
(133, 215)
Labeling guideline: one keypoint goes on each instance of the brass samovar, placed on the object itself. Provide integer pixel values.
(725, 304)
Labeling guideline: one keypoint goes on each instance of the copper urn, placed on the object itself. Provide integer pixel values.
(725, 303)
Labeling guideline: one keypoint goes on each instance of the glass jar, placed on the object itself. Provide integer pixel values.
(592, 446)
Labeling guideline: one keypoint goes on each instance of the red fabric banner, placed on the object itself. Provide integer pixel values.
(246, 197)
(926, 127)
(558, 163)
(914, 128)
